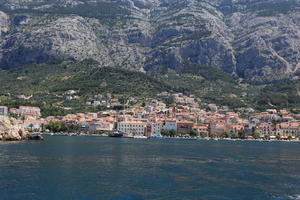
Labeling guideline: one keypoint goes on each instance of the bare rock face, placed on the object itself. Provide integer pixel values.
(9, 132)
(4, 22)
(40, 39)
(255, 40)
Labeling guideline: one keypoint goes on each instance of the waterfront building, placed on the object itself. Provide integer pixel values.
(201, 129)
(155, 130)
(184, 127)
(3, 110)
(101, 126)
(288, 130)
(170, 124)
(132, 127)
(266, 129)
(31, 124)
(217, 128)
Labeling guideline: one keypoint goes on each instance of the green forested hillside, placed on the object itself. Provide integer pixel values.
(49, 82)
(47, 85)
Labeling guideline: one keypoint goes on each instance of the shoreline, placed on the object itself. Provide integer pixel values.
(179, 138)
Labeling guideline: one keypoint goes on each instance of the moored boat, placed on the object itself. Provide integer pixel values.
(116, 133)
(140, 137)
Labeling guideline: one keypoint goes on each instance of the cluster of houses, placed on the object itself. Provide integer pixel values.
(183, 117)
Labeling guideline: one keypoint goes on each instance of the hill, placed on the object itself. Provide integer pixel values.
(47, 85)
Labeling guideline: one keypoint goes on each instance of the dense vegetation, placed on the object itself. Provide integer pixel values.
(261, 8)
(47, 85)
(109, 13)
(285, 94)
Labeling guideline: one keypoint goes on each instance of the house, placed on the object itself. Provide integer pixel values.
(30, 111)
(288, 130)
(153, 129)
(217, 128)
(235, 128)
(101, 126)
(170, 124)
(3, 110)
(31, 124)
(184, 127)
(266, 129)
(201, 129)
(132, 127)
(213, 107)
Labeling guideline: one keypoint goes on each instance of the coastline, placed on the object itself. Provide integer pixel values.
(179, 138)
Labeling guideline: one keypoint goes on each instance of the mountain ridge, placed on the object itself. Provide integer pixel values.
(254, 40)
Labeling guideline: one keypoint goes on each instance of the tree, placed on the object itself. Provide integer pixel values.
(31, 127)
(164, 132)
(73, 127)
(278, 137)
(193, 133)
(169, 133)
(56, 126)
(213, 135)
(43, 127)
(172, 132)
(202, 134)
(225, 135)
(234, 135)
(256, 135)
(242, 134)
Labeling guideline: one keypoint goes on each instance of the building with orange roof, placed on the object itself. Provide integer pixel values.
(101, 126)
(31, 124)
(217, 128)
(184, 127)
(27, 111)
(235, 128)
(201, 129)
(288, 130)
(30, 111)
(266, 129)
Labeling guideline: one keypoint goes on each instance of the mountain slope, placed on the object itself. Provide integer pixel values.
(47, 85)
(257, 40)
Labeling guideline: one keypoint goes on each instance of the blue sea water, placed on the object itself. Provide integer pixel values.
(62, 167)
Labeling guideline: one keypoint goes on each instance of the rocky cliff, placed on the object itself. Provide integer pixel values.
(12, 132)
(254, 39)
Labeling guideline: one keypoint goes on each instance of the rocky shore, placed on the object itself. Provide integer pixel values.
(10, 132)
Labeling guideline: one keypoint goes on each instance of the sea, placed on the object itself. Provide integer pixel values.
(96, 168)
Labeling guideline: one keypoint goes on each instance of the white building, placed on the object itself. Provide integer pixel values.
(101, 126)
(170, 124)
(140, 128)
(133, 128)
(30, 124)
(34, 112)
(155, 129)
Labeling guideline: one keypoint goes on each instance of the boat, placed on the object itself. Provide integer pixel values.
(116, 133)
(158, 137)
(125, 135)
(140, 137)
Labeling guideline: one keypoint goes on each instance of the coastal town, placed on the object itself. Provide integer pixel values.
(185, 117)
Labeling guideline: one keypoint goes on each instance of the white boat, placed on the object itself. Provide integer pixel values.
(140, 137)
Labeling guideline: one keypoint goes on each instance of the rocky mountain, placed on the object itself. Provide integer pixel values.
(257, 40)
